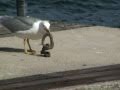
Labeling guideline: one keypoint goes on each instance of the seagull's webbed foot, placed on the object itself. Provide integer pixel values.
(30, 52)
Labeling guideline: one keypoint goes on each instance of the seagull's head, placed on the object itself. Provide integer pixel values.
(46, 25)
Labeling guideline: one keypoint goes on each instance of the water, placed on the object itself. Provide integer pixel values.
(98, 12)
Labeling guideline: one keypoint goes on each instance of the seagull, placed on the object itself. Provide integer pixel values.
(26, 28)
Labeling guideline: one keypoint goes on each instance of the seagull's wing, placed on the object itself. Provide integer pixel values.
(4, 30)
(27, 20)
(13, 24)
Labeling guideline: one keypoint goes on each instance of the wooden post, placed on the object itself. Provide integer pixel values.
(20, 5)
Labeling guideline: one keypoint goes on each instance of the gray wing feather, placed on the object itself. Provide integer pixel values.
(15, 24)
(4, 32)
(27, 20)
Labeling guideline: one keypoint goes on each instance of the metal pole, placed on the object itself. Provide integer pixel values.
(20, 5)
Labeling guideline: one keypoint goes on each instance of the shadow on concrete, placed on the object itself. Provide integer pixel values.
(7, 49)
(62, 79)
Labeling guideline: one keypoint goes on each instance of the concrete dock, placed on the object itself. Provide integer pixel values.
(74, 49)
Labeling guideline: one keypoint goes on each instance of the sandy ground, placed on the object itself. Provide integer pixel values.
(74, 49)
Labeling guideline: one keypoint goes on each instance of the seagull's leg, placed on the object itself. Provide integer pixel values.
(25, 50)
(29, 44)
(30, 51)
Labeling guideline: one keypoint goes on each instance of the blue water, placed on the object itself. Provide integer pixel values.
(100, 12)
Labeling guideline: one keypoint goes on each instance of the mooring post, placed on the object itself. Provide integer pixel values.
(20, 5)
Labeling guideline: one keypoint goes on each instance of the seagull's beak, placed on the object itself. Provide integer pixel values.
(51, 39)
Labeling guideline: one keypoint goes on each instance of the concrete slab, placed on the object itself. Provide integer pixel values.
(74, 49)
(111, 85)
